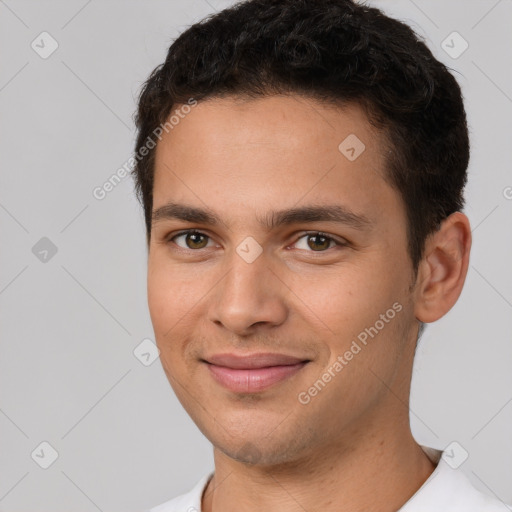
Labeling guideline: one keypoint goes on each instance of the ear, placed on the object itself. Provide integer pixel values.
(443, 268)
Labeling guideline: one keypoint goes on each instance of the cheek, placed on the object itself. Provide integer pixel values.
(342, 297)
(171, 307)
(172, 297)
(352, 299)
(160, 298)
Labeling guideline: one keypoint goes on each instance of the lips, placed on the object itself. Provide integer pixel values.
(252, 373)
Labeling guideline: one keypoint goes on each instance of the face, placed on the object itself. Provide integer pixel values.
(279, 283)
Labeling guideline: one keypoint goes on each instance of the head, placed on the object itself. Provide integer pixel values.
(319, 152)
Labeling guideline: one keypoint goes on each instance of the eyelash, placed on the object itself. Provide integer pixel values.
(305, 234)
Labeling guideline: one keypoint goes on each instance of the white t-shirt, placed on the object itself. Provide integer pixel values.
(446, 490)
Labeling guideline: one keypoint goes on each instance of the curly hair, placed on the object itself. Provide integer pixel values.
(338, 52)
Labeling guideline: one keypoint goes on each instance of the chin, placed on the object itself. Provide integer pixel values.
(255, 453)
(253, 447)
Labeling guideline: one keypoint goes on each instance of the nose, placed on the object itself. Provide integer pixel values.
(249, 297)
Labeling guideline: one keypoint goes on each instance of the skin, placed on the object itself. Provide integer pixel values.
(242, 159)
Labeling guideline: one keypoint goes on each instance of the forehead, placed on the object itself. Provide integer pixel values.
(275, 151)
(291, 122)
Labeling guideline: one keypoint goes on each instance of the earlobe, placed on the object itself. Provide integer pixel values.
(443, 269)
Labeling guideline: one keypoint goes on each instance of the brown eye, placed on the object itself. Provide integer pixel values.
(191, 240)
(196, 240)
(317, 242)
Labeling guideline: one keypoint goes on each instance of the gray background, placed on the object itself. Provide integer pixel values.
(70, 323)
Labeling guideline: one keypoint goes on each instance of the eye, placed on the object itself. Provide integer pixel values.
(191, 240)
(316, 241)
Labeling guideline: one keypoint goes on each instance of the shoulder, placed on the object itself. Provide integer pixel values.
(461, 495)
(450, 490)
(189, 502)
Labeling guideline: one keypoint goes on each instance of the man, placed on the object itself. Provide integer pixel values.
(302, 207)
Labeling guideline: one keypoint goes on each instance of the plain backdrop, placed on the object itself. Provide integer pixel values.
(73, 268)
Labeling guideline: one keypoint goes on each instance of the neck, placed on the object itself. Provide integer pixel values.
(379, 471)
(375, 464)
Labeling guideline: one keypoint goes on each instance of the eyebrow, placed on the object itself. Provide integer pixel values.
(305, 214)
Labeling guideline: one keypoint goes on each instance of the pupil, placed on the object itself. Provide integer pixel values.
(322, 243)
(194, 238)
